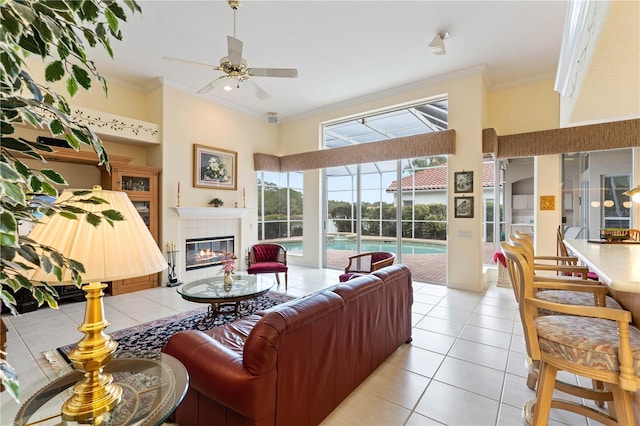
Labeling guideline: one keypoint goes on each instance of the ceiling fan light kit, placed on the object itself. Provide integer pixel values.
(236, 68)
(437, 44)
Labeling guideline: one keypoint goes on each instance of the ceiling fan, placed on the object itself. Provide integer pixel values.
(237, 72)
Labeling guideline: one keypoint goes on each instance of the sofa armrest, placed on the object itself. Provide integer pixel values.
(218, 373)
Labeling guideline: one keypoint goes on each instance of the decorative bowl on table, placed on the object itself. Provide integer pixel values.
(614, 234)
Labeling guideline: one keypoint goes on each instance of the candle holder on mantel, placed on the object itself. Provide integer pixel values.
(178, 205)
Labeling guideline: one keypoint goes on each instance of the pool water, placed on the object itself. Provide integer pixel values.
(407, 247)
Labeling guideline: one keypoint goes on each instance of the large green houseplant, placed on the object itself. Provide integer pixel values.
(60, 32)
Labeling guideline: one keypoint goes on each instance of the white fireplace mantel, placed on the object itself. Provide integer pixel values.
(210, 212)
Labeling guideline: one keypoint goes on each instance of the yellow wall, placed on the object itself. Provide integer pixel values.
(611, 83)
(119, 100)
(524, 109)
(189, 120)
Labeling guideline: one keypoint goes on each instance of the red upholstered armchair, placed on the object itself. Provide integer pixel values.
(268, 258)
(365, 263)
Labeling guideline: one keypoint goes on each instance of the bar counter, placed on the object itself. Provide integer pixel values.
(617, 266)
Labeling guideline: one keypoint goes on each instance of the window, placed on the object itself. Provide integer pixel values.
(394, 205)
(593, 190)
(280, 208)
(616, 206)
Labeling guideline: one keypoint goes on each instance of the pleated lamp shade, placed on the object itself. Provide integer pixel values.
(108, 253)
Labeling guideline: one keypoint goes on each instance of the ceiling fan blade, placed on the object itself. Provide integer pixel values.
(184, 61)
(209, 87)
(257, 90)
(273, 72)
(235, 50)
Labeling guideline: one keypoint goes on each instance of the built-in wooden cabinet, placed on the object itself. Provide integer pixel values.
(140, 183)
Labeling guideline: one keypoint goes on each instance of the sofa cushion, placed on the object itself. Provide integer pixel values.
(592, 342)
(266, 267)
(234, 334)
(261, 347)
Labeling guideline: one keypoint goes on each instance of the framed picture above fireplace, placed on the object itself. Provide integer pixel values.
(214, 168)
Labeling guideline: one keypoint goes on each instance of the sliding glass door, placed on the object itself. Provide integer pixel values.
(594, 184)
(385, 206)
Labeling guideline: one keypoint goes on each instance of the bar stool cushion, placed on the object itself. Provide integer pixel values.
(592, 342)
(573, 298)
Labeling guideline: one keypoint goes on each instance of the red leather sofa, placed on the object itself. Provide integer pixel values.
(294, 363)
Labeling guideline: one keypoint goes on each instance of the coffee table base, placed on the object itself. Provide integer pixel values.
(239, 300)
(235, 308)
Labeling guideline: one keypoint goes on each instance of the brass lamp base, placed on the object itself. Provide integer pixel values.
(96, 394)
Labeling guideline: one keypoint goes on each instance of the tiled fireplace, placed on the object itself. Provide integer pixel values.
(207, 252)
(203, 233)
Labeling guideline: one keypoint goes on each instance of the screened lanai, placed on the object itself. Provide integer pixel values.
(363, 212)
(399, 205)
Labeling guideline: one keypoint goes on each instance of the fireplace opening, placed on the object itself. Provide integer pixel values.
(207, 252)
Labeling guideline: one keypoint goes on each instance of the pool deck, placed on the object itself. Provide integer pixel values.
(428, 268)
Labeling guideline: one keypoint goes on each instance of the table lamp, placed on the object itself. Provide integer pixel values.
(108, 253)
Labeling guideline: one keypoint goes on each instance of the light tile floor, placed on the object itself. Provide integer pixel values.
(465, 365)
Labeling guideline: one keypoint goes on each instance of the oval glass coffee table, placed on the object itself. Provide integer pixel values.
(239, 299)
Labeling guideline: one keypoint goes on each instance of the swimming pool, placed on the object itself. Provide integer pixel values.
(409, 247)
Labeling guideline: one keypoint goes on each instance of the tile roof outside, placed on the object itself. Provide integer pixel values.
(435, 178)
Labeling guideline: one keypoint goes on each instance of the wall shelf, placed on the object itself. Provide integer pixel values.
(210, 212)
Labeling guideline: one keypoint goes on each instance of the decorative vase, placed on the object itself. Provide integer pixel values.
(227, 281)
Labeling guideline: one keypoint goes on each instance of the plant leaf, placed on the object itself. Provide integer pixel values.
(56, 127)
(81, 76)
(8, 173)
(54, 71)
(113, 215)
(90, 9)
(112, 20)
(72, 86)
(54, 176)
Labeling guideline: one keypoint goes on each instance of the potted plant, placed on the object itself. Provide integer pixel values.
(60, 33)
(216, 202)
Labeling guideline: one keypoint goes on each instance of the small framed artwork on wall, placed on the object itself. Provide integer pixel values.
(214, 168)
(463, 182)
(463, 207)
(547, 202)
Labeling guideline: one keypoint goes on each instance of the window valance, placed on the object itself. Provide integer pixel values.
(427, 144)
(593, 137)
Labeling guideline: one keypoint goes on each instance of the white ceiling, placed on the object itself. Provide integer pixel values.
(343, 50)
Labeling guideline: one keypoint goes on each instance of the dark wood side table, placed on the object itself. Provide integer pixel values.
(151, 391)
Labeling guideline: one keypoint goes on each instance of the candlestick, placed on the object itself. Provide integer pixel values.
(244, 200)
